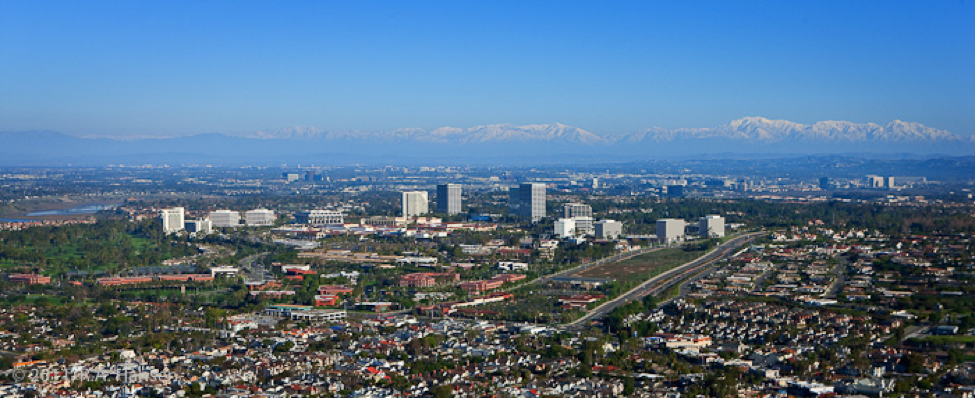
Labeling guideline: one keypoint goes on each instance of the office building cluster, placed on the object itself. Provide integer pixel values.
(671, 230)
(577, 220)
(173, 220)
(308, 176)
(449, 201)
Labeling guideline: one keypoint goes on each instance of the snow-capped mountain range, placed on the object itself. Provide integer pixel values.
(757, 129)
(490, 144)
(556, 132)
(766, 130)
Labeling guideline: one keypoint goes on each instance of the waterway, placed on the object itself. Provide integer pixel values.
(84, 209)
(14, 220)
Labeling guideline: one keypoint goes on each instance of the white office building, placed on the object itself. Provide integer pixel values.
(172, 219)
(415, 203)
(608, 229)
(259, 218)
(711, 226)
(570, 210)
(565, 227)
(584, 225)
(873, 181)
(448, 198)
(528, 200)
(319, 217)
(582, 214)
(225, 218)
(670, 230)
(200, 226)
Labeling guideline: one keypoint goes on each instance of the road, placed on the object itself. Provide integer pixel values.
(685, 287)
(666, 280)
(760, 281)
(254, 271)
(839, 273)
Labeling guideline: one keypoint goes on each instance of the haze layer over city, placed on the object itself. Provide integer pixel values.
(237, 199)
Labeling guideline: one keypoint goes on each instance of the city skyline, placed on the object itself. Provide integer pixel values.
(149, 69)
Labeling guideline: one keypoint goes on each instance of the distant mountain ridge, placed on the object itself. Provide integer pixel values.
(486, 133)
(488, 144)
(767, 130)
(757, 129)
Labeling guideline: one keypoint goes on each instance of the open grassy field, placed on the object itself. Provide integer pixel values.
(942, 340)
(642, 267)
(5, 263)
(33, 299)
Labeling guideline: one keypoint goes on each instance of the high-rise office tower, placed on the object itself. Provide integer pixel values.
(172, 219)
(415, 203)
(528, 200)
(825, 183)
(448, 198)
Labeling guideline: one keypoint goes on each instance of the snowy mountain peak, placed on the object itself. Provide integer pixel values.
(768, 130)
(752, 128)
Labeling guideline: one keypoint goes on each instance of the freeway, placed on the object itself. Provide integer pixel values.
(668, 279)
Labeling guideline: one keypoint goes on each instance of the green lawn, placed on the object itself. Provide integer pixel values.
(5, 263)
(139, 243)
(940, 340)
(32, 299)
(64, 253)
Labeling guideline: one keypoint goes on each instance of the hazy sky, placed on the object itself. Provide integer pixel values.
(175, 68)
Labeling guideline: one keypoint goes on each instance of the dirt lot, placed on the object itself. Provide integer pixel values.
(642, 267)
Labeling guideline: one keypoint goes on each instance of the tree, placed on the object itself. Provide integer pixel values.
(444, 391)
(284, 347)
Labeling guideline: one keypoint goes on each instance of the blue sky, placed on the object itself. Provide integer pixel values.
(176, 68)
